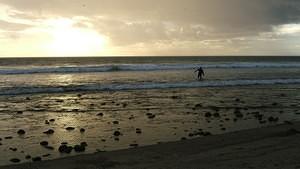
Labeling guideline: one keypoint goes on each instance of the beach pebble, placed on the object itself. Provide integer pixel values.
(50, 131)
(138, 131)
(47, 122)
(19, 112)
(8, 137)
(100, 114)
(82, 130)
(79, 148)
(198, 105)
(70, 128)
(46, 155)
(117, 139)
(52, 120)
(216, 115)
(84, 144)
(238, 113)
(115, 122)
(44, 143)
(49, 147)
(273, 119)
(21, 132)
(134, 145)
(117, 133)
(207, 114)
(13, 149)
(15, 160)
(65, 149)
(35, 159)
(151, 116)
(103, 140)
(27, 157)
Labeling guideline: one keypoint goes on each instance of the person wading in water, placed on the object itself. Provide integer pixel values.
(200, 73)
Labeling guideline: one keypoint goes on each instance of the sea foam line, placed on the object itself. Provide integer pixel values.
(142, 67)
(140, 86)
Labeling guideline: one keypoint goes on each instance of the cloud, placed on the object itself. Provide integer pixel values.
(170, 26)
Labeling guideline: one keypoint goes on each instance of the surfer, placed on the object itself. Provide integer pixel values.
(200, 73)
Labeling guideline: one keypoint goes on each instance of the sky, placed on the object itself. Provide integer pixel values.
(30, 28)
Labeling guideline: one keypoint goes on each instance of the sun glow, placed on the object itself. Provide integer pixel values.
(68, 40)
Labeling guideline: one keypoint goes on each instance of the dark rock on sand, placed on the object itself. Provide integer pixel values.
(44, 143)
(8, 137)
(100, 114)
(21, 132)
(47, 122)
(49, 147)
(46, 155)
(28, 157)
(52, 120)
(82, 130)
(79, 148)
(115, 122)
(50, 131)
(198, 105)
(70, 128)
(65, 149)
(134, 145)
(208, 114)
(273, 119)
(183, 138)
(216, 115)
(13, 149)
(84, 144)
(15, 160)
(117, 133)
(238, 113)
(151, 116)
(19, 112)
(35, 159)
(138, 131)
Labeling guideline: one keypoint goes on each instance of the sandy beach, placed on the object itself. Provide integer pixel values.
(269, 147)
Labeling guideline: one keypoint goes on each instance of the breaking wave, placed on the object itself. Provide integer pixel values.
(141, 67)
(139, 86)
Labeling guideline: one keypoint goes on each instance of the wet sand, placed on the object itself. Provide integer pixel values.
(109, 121)
(269, 147)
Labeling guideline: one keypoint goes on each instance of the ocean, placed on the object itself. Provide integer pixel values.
(148, 100)
(55, 75)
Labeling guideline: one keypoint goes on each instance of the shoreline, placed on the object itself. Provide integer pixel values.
(268, 147)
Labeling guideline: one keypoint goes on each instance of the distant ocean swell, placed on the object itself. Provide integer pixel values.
(140, 86)
(141, 67)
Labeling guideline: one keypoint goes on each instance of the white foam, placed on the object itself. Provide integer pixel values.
(139, 86)
(143, 67)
